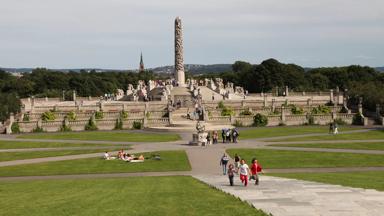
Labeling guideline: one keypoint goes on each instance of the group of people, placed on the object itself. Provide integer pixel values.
(229, 135)
(333, 128)
(242, 169)
(121, 155)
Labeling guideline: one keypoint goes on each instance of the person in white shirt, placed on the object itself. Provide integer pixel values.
(244, 171)
(106, 156)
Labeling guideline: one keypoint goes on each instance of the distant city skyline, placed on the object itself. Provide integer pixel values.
(112, 33)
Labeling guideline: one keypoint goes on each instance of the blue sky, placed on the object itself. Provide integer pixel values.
(112, 33)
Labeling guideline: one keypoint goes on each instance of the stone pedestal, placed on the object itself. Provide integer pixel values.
(199, 139)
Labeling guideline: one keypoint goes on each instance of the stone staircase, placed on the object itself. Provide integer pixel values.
(180, 122)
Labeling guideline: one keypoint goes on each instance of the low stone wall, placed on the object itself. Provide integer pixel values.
(274, 120)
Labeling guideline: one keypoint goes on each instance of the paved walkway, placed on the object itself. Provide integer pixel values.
(289, 197)
(278, 196)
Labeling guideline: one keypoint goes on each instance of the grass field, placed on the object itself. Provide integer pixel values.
(358, 146)
(120, 136)
(369, 180)
(370, 135)
(170, 161)
(301, 159)
(9, 156)
(265, 132)
(141, 196)
(5, 144)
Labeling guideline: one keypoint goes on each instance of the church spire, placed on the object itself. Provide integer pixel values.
(141, 68)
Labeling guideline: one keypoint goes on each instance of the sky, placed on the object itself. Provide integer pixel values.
(112, 33)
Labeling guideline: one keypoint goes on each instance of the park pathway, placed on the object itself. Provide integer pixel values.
(279, 196)
(289, 197)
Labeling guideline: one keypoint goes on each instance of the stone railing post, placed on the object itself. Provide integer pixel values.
(334, 116)
(8, 129)
(265, 101)
(283, 114)
(378, 110)
(273, 105)
(331, 98)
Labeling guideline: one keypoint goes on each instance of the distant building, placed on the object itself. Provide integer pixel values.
(141, 67)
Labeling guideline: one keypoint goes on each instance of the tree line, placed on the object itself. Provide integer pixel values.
(360, 81)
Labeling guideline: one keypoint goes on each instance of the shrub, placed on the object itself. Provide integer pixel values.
(99, 115)
(260, 120)
(90, 125)
(148, 115)
(358, 119)
(238, 124)
(48, 116)
(340, 121)
(276, 112)
(330, 103)
(282, 124)
(321, 109)
(295, 110)
(71, 116)
(26, 117)
(124, 114)
(344, 110)
(220, 105)
(246, 112)
(119, 124)
(65, 128)
(38, 130)
(226, 111)
(311, 120)
(166, 115)
(15, 127)
(137, 125)
(209, 113)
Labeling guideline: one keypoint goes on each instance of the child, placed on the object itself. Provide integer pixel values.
(255, 170)
(244, 170)
(231, 173)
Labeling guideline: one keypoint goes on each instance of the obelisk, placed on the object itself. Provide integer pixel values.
(179, 61)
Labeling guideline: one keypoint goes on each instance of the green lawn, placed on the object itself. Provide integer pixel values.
(301, 159)
(141, 196)
(170, 161)
(370, 135)
(358, 146)
(9, 156)
(5, 144)
(265, 132)
(120, 136)
(369, 180)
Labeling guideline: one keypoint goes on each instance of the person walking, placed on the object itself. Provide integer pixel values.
(255, 170)
(335, 128)
(223, 162)
(244, 170)
(215, 137)
(331, 128)
(237, 162)
(235, 134)
(228, 135)
(223, 134)
(208, 138)
(231, 173)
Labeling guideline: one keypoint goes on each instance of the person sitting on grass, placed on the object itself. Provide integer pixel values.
(106, 156)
